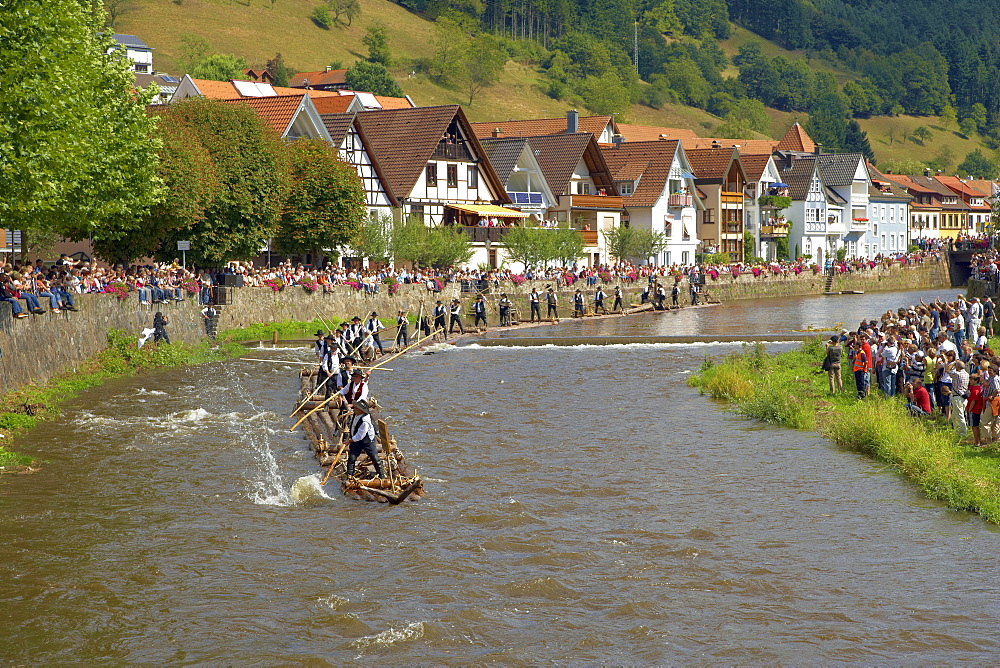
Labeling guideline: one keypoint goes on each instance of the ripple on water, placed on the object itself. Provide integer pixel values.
(547, 588)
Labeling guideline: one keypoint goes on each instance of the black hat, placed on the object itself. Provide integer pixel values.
(319, 332)
(439, 301)
(343, 324)
(355, 318)
(328, 337)
(374, 314)
(503, 294)
(362, 406)
(348, 359)
(480, 297)
(357, 372)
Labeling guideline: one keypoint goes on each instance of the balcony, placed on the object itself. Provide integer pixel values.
(859, 224)
(679, 200)
(732, 228)
(479, 235)
(774, 230)
(589, 237)
(446, 151)
(525, 198)
(600, 202)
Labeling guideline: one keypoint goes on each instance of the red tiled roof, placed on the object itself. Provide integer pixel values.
(646, 133)
(963, 188)
(393, 102)
(539, 127)
(277, 111)
(320, 78)
(754, 164)
(710, 163)
(335, 104)
(558, 155)
(649, 160)
(796, 139)
(216, 90)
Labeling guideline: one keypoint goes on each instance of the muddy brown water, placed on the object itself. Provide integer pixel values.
(584, 506)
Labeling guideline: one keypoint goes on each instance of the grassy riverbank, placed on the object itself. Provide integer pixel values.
(294, 329)
(21, 410)
(790, 389)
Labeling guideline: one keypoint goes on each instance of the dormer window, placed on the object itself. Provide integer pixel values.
(626, 188)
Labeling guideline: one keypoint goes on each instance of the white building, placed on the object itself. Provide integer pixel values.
(140, 53)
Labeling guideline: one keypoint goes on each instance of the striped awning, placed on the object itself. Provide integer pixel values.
(488, 210)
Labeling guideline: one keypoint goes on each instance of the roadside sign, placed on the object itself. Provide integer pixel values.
(183, 245)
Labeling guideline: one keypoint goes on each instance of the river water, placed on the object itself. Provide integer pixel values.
(584, 506)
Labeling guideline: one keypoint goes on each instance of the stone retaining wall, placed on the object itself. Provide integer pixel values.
(39, 347)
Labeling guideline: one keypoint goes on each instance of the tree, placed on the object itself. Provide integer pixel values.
(856, 141)
(277, 69)
(220, 67)
(426, 246)
(483, 63)
(251, 164)
(374, 241)
(193, 49)
(567, 244)
(377, 40)
(372, 78)
(648, 244)
(619, 242)
(322, 17)
(530, 246)
(325, 208)
(977, 164)
(921, 134)
(827, 123)
(745, 119)
(77, 149)
(344, 11)
(115, 9)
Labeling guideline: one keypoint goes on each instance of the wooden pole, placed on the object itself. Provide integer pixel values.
(274, 337)
(343, 444)
(321, 405)
(395, 355)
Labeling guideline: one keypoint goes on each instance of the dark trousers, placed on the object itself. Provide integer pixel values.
(861, 382)
(536, 311)
(618, 304)
(579, 310)
(479, 316)
(402, 336)
(378, 343)
(504, 316)
(160, 335)
(440, 324)
(599, 304)
(552, 313)
(367, 447)
(456, 320)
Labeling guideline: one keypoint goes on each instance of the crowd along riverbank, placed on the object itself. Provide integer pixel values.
(790, 389)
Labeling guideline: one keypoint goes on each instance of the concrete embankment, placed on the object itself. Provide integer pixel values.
(37, 348)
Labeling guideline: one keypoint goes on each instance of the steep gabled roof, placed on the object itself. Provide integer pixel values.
(558, 156)
(963, 188)
(539, 127)
(799, 177)
(336, 104)
(796, 139)
(320, 78)
(647, 162)
(839, 168)
(278, 111)
(503, 154)
(754, 165)
(338, 125)
(712, 164)
(402, 141)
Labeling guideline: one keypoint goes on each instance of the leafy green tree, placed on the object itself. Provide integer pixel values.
(949, 117)
(827, 122)
(372, 78)
(220, 67)
(977, 164)
(648, 244)
(325, 207)
(746, 117)
(911, 167)
(977, 114)
(605, 94)
(77, 149)
(251, 164)
(277, 68)
(662, 18)
(377, 40)
(322, 17)
(192, 50)
(967, 126)
(567, 244)
(530, 246)
(921, 134)
(344, 11)
(374, 241)
(619, 241)
(482, 64)
(684, 77)
(430, 246)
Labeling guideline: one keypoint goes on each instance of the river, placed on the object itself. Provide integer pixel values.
(583, 506)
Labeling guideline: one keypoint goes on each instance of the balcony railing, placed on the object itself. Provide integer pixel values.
(680, 200)
(861, 224)
(603, 202)
(525, 198)
(774, 230)
(479, 235)
(452, 152)
(589, 237)
(732, 228)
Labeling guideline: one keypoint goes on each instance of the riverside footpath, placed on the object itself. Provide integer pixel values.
(38, 348)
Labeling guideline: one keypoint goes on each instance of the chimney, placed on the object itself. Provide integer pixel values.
(328, 68)
(572, 122)
(617, 140)
(818, 150)
(716, 144)
(496, 132)
(927, 172)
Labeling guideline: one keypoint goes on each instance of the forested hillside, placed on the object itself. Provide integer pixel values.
(836, 65)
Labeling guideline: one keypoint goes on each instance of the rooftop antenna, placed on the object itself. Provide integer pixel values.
(635, 45)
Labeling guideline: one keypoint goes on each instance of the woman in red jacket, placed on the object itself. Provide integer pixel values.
(974, 406)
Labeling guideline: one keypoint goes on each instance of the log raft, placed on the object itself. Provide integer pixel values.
(326, 429)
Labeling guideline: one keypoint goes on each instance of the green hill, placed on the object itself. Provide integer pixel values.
(257, 29)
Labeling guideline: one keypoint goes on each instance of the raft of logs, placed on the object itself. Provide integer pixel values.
(327, 430)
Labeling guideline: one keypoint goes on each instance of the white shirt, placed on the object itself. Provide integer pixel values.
(352, 387)
(362, 426)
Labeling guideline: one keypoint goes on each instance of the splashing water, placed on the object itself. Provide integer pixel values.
(388, 637)
(308, 490)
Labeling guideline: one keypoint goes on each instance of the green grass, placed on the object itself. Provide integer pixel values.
(293, 329)
(791, 390)
(121, 358)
